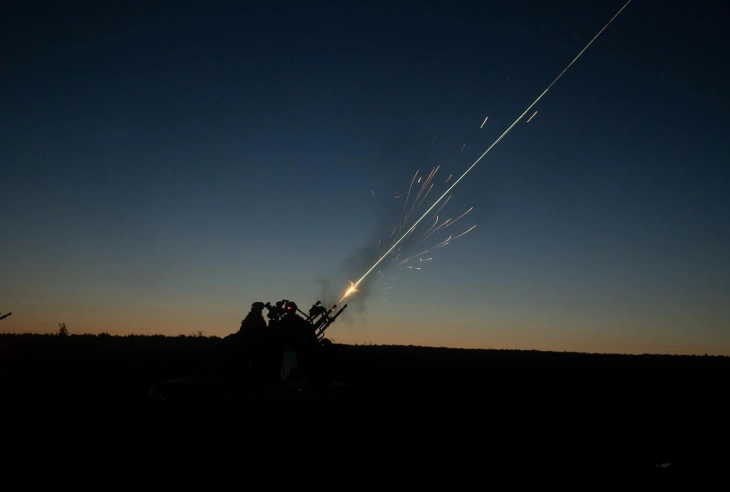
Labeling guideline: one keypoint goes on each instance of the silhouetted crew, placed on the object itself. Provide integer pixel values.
(254, 320)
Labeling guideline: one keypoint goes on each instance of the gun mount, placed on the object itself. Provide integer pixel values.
(321, 318)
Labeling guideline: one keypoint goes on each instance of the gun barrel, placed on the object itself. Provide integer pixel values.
(329, 321)
(339, 312)
(5, 315)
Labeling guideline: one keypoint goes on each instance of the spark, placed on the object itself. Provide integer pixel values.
(429, 229)
(403, 262)
(416, 202)
(353, 287)
(448, 240)
(432, 141)
(373, 192)
(530, 118)
(462, 147)
(442, 243)
(442, 226)
(447, 179)
(460, 216)
(409, 193)
(445, 224)
(442, 205)
(485, 120)
(463, 233)
(414, 206)
(398, 196)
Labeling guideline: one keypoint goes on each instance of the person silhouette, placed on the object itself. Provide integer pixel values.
(298, 336)
(254, 320)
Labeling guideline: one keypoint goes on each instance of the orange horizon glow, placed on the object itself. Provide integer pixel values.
(497, 337)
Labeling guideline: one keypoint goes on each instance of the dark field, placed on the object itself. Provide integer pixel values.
(495, 409)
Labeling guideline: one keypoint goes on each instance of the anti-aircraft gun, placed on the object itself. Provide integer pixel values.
(5, 315)
(288, 360)
(319, 317)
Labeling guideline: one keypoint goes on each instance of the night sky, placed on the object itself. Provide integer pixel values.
(166, 164)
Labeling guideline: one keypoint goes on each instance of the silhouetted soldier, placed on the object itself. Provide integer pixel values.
(298, 335)
(254, 320)
(238, 348)
(292, 321)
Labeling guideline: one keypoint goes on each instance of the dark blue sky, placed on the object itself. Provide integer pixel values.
(165, 164)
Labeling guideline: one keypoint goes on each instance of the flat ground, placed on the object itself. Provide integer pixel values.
(501, 409)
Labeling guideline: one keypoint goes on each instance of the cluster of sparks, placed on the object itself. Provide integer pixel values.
(396, 247)
(398, 243)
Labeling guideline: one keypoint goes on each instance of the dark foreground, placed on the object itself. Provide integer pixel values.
(465, 411)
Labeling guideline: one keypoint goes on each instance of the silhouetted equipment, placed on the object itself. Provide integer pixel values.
(292, 347)
(291, 307)
(287, 360)
(5, 315)
(276, 311)
(321, 318)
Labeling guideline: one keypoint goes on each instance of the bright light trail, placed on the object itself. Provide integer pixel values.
(353, 286)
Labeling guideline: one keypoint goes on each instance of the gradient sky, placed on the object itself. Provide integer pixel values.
(165, 164)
